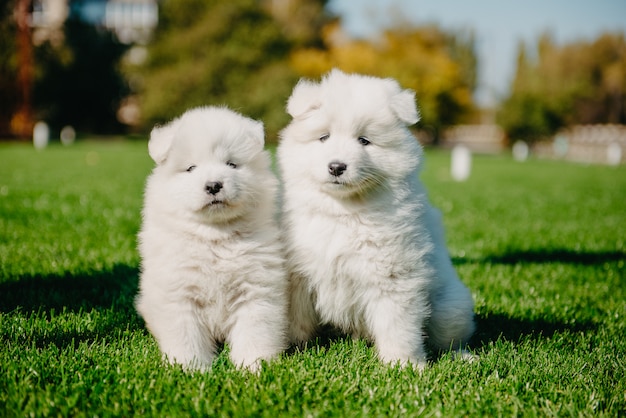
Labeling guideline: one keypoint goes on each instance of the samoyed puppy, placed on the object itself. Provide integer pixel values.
(365, 249)
(212, 266)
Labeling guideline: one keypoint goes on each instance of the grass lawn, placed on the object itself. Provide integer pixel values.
(541, 244)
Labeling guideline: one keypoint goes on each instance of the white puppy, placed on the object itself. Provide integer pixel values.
(365, 249)
(212, 266)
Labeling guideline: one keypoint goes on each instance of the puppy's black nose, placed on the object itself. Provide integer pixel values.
(336, 168)
(213, 187)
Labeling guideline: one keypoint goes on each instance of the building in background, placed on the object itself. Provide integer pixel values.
(47, 19)
(132, 21)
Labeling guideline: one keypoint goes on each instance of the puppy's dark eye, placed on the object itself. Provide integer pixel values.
(364, 141)
(324, 137)
(231, 164)
(190, 168)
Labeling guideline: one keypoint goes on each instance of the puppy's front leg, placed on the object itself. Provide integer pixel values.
(183, 340)
(259, 333)
(303, 320)
(397, 332)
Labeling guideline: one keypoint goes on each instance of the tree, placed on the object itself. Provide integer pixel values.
(223, 52)
(79, 82)
(8, 67)
(300, 20)
(578, 83)
(440, 67)
(16, 69)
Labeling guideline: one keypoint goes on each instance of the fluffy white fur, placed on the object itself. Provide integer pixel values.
(365, 249)
(212, 265)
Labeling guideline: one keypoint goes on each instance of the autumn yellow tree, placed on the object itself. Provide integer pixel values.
(439, 67)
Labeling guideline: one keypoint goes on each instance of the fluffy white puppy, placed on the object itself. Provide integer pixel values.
(365, 249)
(212, 265)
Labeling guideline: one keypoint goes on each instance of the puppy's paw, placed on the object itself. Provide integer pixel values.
(251, 360)
(300, 334)
(417, 362)
(465, 355)
(189, 363)
(253, 367)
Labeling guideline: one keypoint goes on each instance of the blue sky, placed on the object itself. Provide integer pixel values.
(499, 25)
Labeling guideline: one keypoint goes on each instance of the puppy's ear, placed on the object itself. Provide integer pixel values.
(305, 97)
(404, 107)
(257, 133)
(161, 139)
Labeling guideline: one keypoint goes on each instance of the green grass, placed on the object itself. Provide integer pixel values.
(541, 245)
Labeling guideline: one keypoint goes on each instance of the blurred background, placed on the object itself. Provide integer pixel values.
(488, 74)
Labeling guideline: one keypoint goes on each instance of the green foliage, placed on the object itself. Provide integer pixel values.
(219, 52)
(529, 116)
(541, 244)
(578, 83)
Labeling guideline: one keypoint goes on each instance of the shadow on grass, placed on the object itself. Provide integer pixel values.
(109, 292)
(564, 256)
(73, 292)
(491, 327)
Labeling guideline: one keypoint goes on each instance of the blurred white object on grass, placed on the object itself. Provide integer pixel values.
(461, 164)
(520, 151)
(41, 135)
(68, 135)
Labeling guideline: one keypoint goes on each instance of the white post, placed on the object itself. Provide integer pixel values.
(68, 135)
(520, 151)
(461, 163)
(614, 153)
(41, 135)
